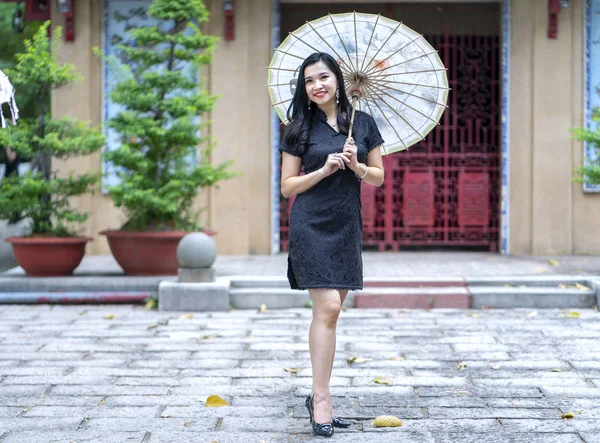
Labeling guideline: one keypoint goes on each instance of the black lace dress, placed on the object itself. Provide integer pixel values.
(325, 243)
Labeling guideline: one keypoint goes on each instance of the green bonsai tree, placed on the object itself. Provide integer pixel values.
(41, 195)
(159, 127)
(590, 173)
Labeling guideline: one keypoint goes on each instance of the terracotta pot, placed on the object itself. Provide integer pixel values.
(146, 253)
(48, 256)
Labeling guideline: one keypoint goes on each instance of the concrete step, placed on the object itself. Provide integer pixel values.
(537, 281)
(531, 297)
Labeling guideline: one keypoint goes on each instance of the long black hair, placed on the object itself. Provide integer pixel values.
(298, 114)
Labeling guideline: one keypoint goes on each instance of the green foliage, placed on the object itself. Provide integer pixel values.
(158, 128)
(10, 45)
(40, 195)
(589, 173)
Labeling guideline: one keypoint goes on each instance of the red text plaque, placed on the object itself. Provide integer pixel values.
(473, 199)
(418, 189)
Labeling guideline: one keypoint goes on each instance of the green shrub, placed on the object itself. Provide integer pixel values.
(159, 126)
(40, 195)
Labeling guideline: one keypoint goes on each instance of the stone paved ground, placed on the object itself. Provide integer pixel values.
(77, 374)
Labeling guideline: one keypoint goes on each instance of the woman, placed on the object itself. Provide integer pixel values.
(325, 222)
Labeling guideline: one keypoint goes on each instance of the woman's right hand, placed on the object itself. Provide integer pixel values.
(334, 161)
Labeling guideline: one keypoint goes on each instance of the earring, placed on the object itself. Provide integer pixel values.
(309, 105)
(337, 95)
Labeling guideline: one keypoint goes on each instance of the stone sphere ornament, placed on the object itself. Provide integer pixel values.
(196, 250)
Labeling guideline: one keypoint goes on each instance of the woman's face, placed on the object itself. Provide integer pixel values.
(320, 83)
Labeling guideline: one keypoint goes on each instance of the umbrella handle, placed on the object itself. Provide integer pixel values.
(354, 101)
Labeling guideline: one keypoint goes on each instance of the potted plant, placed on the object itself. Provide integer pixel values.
(159, 133)
(41, 196)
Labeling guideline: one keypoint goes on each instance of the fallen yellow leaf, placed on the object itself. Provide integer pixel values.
(462, 365)
(387, 421)
(495, 367)
(399, 358)
(109, 317)
(263, 308)
(506, 285)
(150, 304)
(383, 380)
(532, 314)
(358, 360)
(189, 316)
(573, 314)
(206, 337)
(186, 424)
(555, 370)
(553, 263)
(101, 402)
(540, 270)
(581, 287)
(567, 416)
(214, 401)
(292, 370)
(474, 315)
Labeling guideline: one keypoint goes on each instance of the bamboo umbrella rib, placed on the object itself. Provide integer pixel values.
(380, 86)
(379, 91)
(282, 102)
(371, 113)
(324, 40)
(367, 99)
(355, 40)
(381, 46)
(391, 125)
(340, 37)
(278, 84)
(409, 60)
(414, 84)
(289, 53)
(394, 53)
(273, 68)
(396, 112)
(406, 73)
(369, 45)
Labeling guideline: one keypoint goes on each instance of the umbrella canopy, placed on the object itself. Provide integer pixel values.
(391, 72)
(7, 95)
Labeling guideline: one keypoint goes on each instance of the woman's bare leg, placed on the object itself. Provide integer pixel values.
(326, 310)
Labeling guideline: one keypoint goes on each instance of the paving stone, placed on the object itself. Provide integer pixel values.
(112, 377)
(81, 363)
(574, 425)
(508, 438)
(104, 390)
(242, 412)
(77, 436)
(97, 411)
(19, 424)
(576, 392)
(9, 412)
(151, 424)
(220, 437)
(483, 392)
(47, 400)
(477, 413)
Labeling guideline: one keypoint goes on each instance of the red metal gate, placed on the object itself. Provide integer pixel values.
(443, 191)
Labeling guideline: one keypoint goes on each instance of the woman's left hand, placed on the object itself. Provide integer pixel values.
(351, 154)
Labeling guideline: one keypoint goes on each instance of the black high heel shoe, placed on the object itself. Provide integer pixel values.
(340, 422)
(326, 429)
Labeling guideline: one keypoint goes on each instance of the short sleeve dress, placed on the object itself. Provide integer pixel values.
(325, 243)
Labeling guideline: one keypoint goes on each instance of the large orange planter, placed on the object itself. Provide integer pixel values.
(48, 256)
(146, 253)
